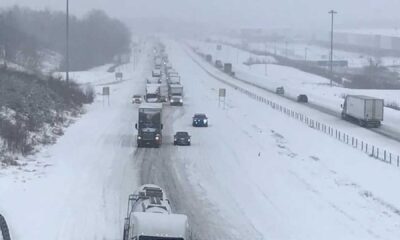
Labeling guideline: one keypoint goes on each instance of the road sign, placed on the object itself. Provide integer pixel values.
(119, 75)
(222, 92)
(106, 91)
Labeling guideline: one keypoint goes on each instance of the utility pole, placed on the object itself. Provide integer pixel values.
(332, 12)
(286, 48)
(305, 54)
(67, 44)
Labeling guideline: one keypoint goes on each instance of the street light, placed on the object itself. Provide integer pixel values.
(305, 54)
(332, 12)
(67, 44)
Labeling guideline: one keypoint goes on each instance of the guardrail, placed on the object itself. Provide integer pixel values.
(5, 232)
(362, 145)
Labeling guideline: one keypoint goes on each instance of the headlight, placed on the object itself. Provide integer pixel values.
(139, 137)
(157, 138)
(180, 100)
(205, 120)
(189, 140)
(174, 139)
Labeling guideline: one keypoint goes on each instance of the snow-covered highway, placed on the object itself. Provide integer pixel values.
(252, 174)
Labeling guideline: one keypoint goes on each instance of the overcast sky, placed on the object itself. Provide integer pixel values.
(243, 13)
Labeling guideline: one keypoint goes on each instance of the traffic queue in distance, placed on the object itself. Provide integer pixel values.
(162, 87)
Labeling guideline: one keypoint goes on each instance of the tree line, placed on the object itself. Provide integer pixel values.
(94, 38)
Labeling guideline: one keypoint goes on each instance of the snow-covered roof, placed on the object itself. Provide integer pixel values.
(158, 224)
(363, 97)
(151, 105)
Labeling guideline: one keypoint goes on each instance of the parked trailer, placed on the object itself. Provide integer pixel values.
(366, 111)
(149, 216)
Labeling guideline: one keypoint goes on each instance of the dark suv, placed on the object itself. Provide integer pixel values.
(182, 138)
(200, 120)
(302, 98)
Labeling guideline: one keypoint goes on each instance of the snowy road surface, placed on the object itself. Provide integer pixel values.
(252, 174)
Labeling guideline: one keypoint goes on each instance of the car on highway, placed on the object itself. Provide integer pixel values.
(280, 91)
(200, 120)
(138, 99)
(302, 98)
(219, 64)
(182, 138)
(163, 98)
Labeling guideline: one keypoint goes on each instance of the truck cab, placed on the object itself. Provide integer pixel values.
(149, 125)
(175, 94)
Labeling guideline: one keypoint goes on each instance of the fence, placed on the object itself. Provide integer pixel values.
(4, 231)
(371, 150)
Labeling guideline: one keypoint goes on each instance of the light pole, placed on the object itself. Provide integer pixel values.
(286, 48)
(305, 54)
(67, 44)
(332, 12)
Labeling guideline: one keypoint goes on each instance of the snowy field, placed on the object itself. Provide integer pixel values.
(297, 82)
(78, 188)
(252, 174)
(304, 51)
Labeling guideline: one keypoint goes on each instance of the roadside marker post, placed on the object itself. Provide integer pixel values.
(106, 92)
(222, 96)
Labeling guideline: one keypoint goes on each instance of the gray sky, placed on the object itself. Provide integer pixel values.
(244, 13)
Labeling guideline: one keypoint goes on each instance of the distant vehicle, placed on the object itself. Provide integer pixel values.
(175, 93)
(138, 99)
(280, 90)
(302, 98)
(218, 64)
(366, 111)
(163, 99)
(149, 125)
(156, 73)
(149, 217)
(176, 100)
(228, 69)
(182, 138)
(200, 120)
(157, 62)
(152, 92)
(209, 58)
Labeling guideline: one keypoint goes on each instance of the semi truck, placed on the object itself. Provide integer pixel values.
(152, 92)
(149, 125)
(228, 69)
(366, 111)
(175, 94)
(149, 216)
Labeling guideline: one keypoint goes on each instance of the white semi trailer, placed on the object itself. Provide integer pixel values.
(366, 111)
(150, 217)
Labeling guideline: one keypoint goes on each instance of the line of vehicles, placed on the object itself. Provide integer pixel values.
(363, 110)
(149, 125)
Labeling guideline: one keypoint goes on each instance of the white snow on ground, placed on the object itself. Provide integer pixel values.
(266, 175)
(266, 171)
(298, 82)
(78, 188)
(311, 52)
(98, 75)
